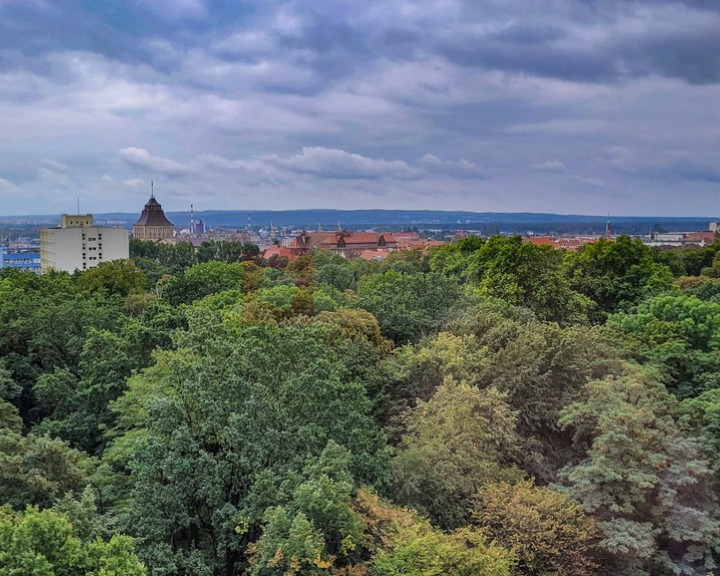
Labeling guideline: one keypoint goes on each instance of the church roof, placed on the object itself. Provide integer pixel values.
(352, 238)
(153, 215)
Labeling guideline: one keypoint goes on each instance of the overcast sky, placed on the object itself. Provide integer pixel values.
(566, 106)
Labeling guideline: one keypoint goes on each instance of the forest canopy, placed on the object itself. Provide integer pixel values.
(486, 407)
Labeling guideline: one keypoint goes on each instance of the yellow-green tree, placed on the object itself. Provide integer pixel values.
(461, 439)
(549, 533)
(403, 543)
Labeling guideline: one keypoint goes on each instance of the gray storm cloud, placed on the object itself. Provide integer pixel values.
(566, 106)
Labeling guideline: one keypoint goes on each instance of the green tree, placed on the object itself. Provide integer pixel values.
(252, 277)
(458, 441)
(117, 277)
(541, 368)
(202, 280)
(38, 470)
(616, 274)
(524, 274)
(44, 321)
(78, 404)
(42, 543)
(453, 259)
(235, 416)
(680, 335)
(700, 416)
(228, 251)
(404, 543)
(316, 530)
(643, 479)
(407, 305)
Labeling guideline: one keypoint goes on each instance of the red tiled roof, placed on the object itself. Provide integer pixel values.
(406, 236)
(700, 237)
(308, 240)
(373, 254)
(279, 251)
(420, 244)
(357, 238)
(570, 244)
(540, 241)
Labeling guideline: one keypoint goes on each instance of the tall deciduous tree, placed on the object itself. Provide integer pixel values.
(549, 533)
(643, 479)
(78, 404)
(681, 335)
(43, 543)
(524, 274)
(117, 277)
(235, 416)
(458, 441)
(616, 274)
(202, 280)
(404, 543)
(408, 305)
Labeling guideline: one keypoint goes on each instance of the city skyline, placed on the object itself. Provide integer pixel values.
(566, 107)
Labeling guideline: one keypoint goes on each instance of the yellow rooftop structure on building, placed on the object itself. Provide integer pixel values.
(76, 221)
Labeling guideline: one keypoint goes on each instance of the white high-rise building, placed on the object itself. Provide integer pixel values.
(78, 244)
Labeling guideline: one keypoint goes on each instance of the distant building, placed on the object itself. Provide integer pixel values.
(349, 243)
(78, 244)
(373, 255)
(27, 261)
(153, 224)
(570, 244)
(366, 245)
(690, 239)
(280, 252)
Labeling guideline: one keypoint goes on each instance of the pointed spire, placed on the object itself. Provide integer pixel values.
(608, 231)
(152, 189)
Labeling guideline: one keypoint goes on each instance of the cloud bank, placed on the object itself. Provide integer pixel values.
(567, 106)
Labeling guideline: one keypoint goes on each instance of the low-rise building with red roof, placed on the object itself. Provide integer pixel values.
(561, 243)
(373, 255)
(280, 251)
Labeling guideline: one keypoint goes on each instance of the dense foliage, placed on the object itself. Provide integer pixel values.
(489, 407)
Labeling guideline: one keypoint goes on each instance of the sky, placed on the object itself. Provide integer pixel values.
(563, 106)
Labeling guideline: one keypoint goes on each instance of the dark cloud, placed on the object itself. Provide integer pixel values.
(542, 60)
(693, 56)
(529, 34)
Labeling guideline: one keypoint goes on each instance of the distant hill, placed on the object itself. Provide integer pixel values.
(487, 222)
